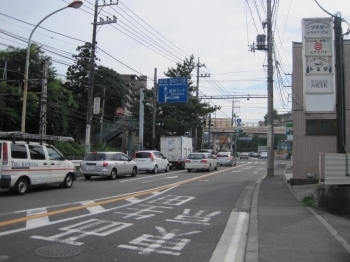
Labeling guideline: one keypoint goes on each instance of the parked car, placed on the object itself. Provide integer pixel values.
(151, 161)
(25, 164)
(263, 154)
(108, 164)
(244, 155)
(226, 158)
(201, 161)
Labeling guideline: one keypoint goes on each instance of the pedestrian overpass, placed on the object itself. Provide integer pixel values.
(278, 130)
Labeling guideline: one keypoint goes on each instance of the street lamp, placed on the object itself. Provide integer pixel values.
(74, 4)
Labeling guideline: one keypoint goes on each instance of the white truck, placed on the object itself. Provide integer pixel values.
(176, 149)
(261, 149)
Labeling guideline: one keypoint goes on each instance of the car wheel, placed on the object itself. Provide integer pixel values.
(113, 174)
(134, 172)
(216, 168)
(209, 169)
(68, 181)
(167, 168)
(220, 164)
(21, 187)
(189, 170)
(155, 169)
(87, 177)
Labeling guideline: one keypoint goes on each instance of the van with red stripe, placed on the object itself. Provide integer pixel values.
(25, 163)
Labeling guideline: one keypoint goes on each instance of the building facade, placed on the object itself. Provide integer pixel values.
(314, 133)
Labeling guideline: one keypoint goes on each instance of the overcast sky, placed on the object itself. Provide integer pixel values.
(158, 33)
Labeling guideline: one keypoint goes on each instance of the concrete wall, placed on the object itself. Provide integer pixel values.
(307, 148)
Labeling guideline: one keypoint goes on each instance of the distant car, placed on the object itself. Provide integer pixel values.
(151, 161)
(244, 155)
(108, 164)
(201, 161)
(226, 158)
(263, 154)
(255, 154)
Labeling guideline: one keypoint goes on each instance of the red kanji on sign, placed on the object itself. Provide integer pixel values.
(318, 46)
(119, 111)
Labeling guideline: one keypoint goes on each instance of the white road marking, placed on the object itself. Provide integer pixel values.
(3, 258)
(82, 216)
(93, 209)
(160, 179)
(197, 218)
(133, 200)
(78, 231)
(133, 179)
(169, 243)
(142, 213)
(37, 222)
(172, 200)
(231, 246)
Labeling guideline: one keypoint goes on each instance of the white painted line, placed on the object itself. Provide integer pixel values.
(130, 180)
(133, 200)
(93, 209)
(160, 179)
(37, 222)
(231, 247)
(3, 258)
(82, 216)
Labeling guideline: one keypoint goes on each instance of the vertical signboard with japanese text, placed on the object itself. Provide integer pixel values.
(318, 65)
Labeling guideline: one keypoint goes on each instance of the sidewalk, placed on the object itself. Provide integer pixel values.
(289, 231)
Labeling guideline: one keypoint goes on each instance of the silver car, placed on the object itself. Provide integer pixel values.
(109, 164)
(226, 158)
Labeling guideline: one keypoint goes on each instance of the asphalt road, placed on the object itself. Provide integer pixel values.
(175, 216)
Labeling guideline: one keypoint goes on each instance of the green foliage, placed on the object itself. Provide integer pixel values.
(70, 149)
(309, 202)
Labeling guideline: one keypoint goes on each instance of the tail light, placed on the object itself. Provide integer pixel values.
(187, 161)
(105, 163)
(204, 161)
(151, 157)
(5, 154)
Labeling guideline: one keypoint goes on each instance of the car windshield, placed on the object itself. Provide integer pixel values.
(143, 154)
(97, 156)
(222, 154)
(196, 156)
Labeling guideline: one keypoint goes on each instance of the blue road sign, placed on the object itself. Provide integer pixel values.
(173, 90)
(239, 120)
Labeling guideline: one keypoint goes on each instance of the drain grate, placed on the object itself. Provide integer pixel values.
(57, 251)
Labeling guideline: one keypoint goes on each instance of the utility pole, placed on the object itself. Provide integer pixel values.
(155, 88)
(92, 69)
(43, 101)
(340, 98)
(270, 134)
(197, 93)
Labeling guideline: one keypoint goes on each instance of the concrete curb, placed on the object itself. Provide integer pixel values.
(252, 249)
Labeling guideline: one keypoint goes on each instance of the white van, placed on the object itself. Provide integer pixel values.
(24, 164)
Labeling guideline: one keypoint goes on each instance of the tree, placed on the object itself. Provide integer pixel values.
(11, 89)
(176, 119)
(275, 116)
(107, 85)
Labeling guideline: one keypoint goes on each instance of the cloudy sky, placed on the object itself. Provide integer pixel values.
(158, 33)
